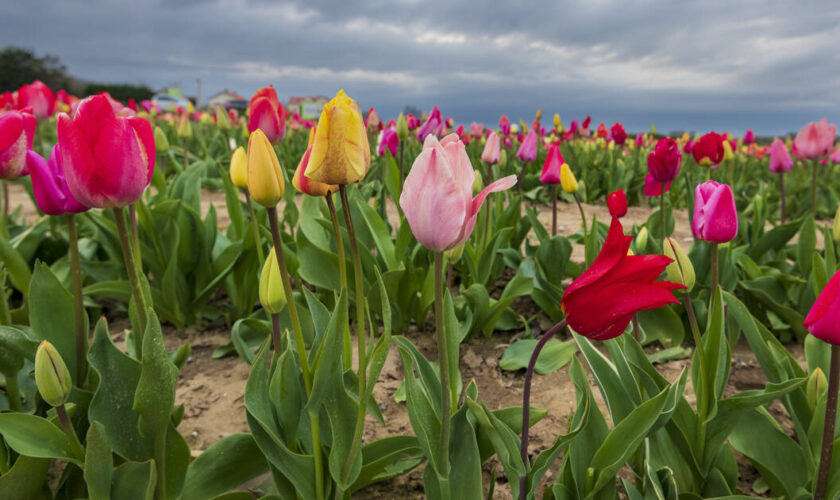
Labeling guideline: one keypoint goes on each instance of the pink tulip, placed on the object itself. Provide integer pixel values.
(749, 137)
(372, 119)
(573, 127)
(504, 125)
(715, 216)
(551, 168)
(815, 139)
(476, 129)
(267, 114)
(107, 160)
(823, 320)
(492, 151)
(17, 131)
(653, 187)
(52, 195)
(835, 158)
(38, 97)
(780, 161)
(389, 141)
(640, 140)
(437, 194)
(528, 149)
(433, 125)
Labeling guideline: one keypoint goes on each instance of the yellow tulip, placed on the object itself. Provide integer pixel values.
(272, 294)
(567, 179)
(265, 177)
(539, 114)
(557, 121)
(727, 151)
(340, 151)
(239, 168)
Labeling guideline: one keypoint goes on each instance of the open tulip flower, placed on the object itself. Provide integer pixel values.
(17, 131)
(49, 185)
(265, 112)
(600, 303)
(107, 160)
(816, 139)
(437, 195)
(37, 97)
(708, 151)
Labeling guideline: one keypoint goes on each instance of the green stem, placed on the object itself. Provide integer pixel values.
(186, 154)
(714, 269)
(255, 228)
(314, 420)
(446, 395)
(360, 332)
(134, 275)
(814, 187)
(553, 191)
(135, 236)
(276, 334)
(662, 210)
(5, 314)
(4, 219)
(160, 464)
(342, 276)
(67, 427)
(830, 419)
(702, 399)
(13, 392)
(782, 195)
(78, 302)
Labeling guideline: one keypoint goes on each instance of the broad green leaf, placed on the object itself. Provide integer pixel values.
(223, 466)
(387, 458)
(99, 462)
(555, 355)
(134, 481)
(27, 479)
(37, 437)
(155, 393)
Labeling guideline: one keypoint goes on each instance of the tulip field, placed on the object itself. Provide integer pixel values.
(200, 304)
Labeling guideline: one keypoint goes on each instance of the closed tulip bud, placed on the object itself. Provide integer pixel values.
(836, 226)
(617, 203)
(567, 179)
(503, 158)
(454, 254)
(715, 215)
(51, 375)
(265, 178)
(539, 113)
(652, 129)
(816, 387)
(478, 185)
(161, 142)
(239, 168)
(680, 270)
(557, 121)
(402, 127)
(222, 119)
(272, 294)
(340, 152)
(727, 151)
(642, 239)
(184, 129)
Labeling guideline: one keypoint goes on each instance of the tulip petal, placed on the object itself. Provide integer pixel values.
(48, 195)
(146, 136)
(502, 184)
(614, 249)
(77, 161)
(11, 126)
(122, 170)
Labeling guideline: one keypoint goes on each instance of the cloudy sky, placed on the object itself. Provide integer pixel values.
(724, 65)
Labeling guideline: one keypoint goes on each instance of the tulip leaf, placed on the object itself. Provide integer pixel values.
(99, 462)
(807, 245)
(387, 458)
(26, 478)
(155, 393)
(134, 481)
(381, 235)
(555, 355)
(18, 269)
(223, 466)
(37, 437)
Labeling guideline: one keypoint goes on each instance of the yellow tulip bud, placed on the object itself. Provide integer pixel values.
(265, 178)
(727, 151)
(340, 152)
(642, 239)
(184, 129)
(816, 386)
(836, 227)
(222, 119)
(190, 107)
(51, 375)
(567, 179)
(557, 121)
(239, 168)
(272, 294)
(652, 129)
(161, 142)
(539, 113)
(681, 270)
(503, 158)
(402, 128)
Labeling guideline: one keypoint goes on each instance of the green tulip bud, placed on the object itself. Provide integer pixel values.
(836, 227)
(642, 239)
(184, 129)
(478, 183)
(51, 375)
(454, 254)
(503, 158)
(222, 119)
(681, 270)
(272, 294)
(816, 387)
(402, 128)
(161, 142)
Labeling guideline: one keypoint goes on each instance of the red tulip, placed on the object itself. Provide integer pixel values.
(602, 130)
(17, 131)
(617, 203)
(665, 161)
(823, 320)
(38, 97)
(552, 166)
(600, 303)
(7, 101)
(107, 160)
(586, 122)
(709, 149)
(619, 135)
(267, 114)
(52, 195)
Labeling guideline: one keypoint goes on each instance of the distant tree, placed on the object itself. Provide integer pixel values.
(120, 91)
(412, 110)
(19, 66)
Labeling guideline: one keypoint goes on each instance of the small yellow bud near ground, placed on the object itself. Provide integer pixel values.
(239, 168)
(51, 375)
(272, 294)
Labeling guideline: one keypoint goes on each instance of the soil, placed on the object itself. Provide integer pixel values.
(212, 390)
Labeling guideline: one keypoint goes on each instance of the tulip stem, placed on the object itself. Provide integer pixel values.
(714, 269)
(186, 153)
(702, 400)
(830, 419)
(133, 275)
(342, 276)
(314, 419)
(135, 235)
(4, 221)
(255, 228)
(78, 302)
(402, 144)
(526, 404)
(553, 194)
(662, 211)
(275, 334)
(67, 427)
(782, 196)
(582, 216)
(443, 367)
(522, 176)
(361, 335)
(813, 187)
(13, 392)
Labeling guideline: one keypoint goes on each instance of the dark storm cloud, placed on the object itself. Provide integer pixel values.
(769, 65)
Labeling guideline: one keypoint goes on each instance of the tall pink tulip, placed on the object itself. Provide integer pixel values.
(816, 139)
(267, 114)
(52, 195)
(528, 149)
(715, 216)
(780, 160)
(437, 195)
(38, 97)
(552, 166)
(492, 151)
(17, 131)
(108, 160)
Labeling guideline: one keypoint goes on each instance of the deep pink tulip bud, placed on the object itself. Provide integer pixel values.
(52, 195)
(267, 114)
(653, 187)
(504, 125)
(528, 148)
(780, 160)
(437, 194)
(665, 161)
(37, 97)
(389, 141)
(573, 127)
(715, 216)
(823, 320)
(552, 166)
(619, 135)
(432, 126)
(17, 131)
(749, 137)
(640, 140)
(107, 160)
(815, 139)
(617, 203)
(492, 150)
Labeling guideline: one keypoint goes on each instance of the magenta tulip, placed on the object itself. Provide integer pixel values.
(504, 125)
(437, 194)
(653, 187)
(107, 160)
(52, 195)
(816, 139)
(749, 137)
(17, 131)
(780, 160)
(432, 126)
(618, 134)
(528, 149)
(665, 161)
(715, 216)
(823, 320)
(552, 166)
(37, 97)
(492, 151)
(389, 141)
